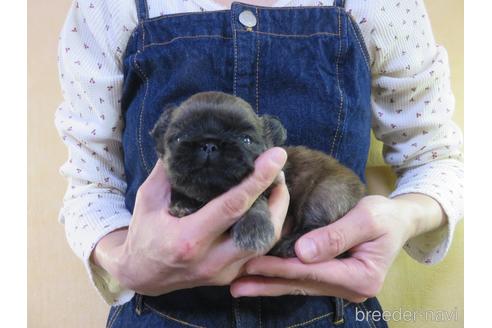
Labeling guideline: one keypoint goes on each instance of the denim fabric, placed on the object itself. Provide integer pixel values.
(306, 65)
(250, 313)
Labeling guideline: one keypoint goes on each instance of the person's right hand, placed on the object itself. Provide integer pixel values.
(160, 253)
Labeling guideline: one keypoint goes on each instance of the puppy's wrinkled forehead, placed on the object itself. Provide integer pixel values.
(217, 108)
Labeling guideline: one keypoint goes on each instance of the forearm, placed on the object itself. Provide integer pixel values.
(433, 196)
(422, 212)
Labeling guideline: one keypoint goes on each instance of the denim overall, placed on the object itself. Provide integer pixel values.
(309, 67)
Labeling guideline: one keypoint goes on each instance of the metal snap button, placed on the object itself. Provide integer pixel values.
(247, 18)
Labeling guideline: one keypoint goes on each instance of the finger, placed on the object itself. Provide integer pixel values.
(224, 251)
(226, 258)
(343, 273)
(273, 266)
(220, 213)
(278, 203)
(326, 243)
(155, 190)
(263, 286)
(253, 286)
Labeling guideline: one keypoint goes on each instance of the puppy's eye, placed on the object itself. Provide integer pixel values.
(246, 140)
(179, 138)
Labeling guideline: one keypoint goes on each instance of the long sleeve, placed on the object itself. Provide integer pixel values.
(89, 122)
(412, 115)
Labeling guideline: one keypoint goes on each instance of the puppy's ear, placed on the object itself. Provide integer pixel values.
(160, 128)
(274, 131)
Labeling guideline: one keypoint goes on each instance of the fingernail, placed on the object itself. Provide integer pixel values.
(308, 249)
(279, 156)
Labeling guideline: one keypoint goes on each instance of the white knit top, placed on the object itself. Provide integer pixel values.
(412, 106)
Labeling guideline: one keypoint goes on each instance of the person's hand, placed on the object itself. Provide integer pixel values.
(161, 253)
(373, 233)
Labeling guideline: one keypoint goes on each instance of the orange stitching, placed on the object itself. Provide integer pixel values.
(237, 314)
(338, 83)
(257, 66)
(185, 14)
(289, 8)
(186, 37)
(293, 35)
(234, 33)
(360, 46)
(115, 316)
(147, 13)
(259, 311)
(143, 36)
(367, 312)
(139, 129)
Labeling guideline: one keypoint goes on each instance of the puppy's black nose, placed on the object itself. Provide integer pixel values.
(209, 148)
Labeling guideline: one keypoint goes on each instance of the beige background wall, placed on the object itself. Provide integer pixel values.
(59, 293)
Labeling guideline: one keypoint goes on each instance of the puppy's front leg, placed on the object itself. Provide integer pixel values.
(254, 231)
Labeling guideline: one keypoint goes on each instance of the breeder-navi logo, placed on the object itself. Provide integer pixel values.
(407, 315)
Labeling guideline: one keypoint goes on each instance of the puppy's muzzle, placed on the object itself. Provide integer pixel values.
(209, 148)
(208, 152)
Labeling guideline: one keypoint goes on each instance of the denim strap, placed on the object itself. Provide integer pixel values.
(339, 3)
(142, 10)
(338, 318)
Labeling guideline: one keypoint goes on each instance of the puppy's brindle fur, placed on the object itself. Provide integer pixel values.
(209, 144)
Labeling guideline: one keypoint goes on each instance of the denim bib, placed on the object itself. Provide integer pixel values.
(308, 66)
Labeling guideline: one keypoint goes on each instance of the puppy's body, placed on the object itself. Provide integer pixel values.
(209, 144)
(321, 191)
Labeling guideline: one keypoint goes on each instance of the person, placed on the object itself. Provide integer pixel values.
(330, 71)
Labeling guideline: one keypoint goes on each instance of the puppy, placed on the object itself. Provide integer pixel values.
(209, 143)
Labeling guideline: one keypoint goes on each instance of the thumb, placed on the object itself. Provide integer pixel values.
(327, 242)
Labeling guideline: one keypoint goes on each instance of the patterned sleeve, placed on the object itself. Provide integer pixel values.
(412, 115)
(90, 123)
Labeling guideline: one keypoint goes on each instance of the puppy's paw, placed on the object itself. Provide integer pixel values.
(179, 211)
(254, 232)
(285, 247)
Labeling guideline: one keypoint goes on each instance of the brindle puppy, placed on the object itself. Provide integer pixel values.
(209, 144)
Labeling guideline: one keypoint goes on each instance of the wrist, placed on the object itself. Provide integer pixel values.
(422, 213)
(109, 251)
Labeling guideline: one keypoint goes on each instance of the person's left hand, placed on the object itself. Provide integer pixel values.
(373, 233)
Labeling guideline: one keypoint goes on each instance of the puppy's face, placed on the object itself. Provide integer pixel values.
(210, 142)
